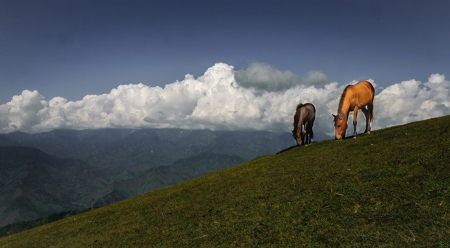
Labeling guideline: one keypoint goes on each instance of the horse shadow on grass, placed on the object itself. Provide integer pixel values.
(287, 149)
(294, 146)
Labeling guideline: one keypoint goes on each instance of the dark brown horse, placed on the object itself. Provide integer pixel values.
(354, 97)
(304, 118)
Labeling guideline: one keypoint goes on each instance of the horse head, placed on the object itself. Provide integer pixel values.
(298, 136)
(340, 125)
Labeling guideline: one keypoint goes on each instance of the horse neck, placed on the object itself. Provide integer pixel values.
(301, 117)
(345, 107)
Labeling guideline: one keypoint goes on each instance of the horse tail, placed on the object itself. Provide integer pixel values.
(312, 124)
(371, 111)
(371, 102)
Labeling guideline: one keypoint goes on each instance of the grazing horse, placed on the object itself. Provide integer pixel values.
(354, 97)
(304, 117)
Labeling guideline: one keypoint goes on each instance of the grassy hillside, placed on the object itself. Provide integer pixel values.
(389, 188)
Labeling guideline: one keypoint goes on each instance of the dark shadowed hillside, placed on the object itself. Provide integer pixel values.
(389, 189)
(34, 184)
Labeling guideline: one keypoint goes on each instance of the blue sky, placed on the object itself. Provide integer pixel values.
(71, 48)
(251, 61)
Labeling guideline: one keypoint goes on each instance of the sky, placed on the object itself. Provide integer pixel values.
(230, 65)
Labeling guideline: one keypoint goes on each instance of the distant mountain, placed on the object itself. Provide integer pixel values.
(127, 153)
(34, 184)
(5, 141)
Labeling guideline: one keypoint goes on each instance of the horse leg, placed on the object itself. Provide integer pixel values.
(303, 133)
(355, 120)
(309, 130)
(306, 132)
(370, 107)
(366, 114)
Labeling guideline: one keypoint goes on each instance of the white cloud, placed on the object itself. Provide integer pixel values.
(221, 100)
(24, 111)
(412, 100)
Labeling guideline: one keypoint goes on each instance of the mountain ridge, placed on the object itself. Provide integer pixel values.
(109, 149)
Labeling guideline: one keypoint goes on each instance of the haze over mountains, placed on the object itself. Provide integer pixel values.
(64, 170)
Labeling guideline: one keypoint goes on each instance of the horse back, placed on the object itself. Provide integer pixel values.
(309, 111)
(362, 93)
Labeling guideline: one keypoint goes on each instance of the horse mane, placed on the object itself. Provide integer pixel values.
(341, 101)
(299, 106)
(297, 116)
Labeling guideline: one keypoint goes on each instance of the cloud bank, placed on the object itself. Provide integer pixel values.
(262, 76)
(259, 97)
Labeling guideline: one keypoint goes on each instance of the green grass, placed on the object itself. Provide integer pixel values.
(387, 189)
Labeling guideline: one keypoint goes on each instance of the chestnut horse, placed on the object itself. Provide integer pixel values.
(354, 97)
(304, 117)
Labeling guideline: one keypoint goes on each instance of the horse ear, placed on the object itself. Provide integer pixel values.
(333, 115)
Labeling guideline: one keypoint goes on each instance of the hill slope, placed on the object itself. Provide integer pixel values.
(389, 188)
